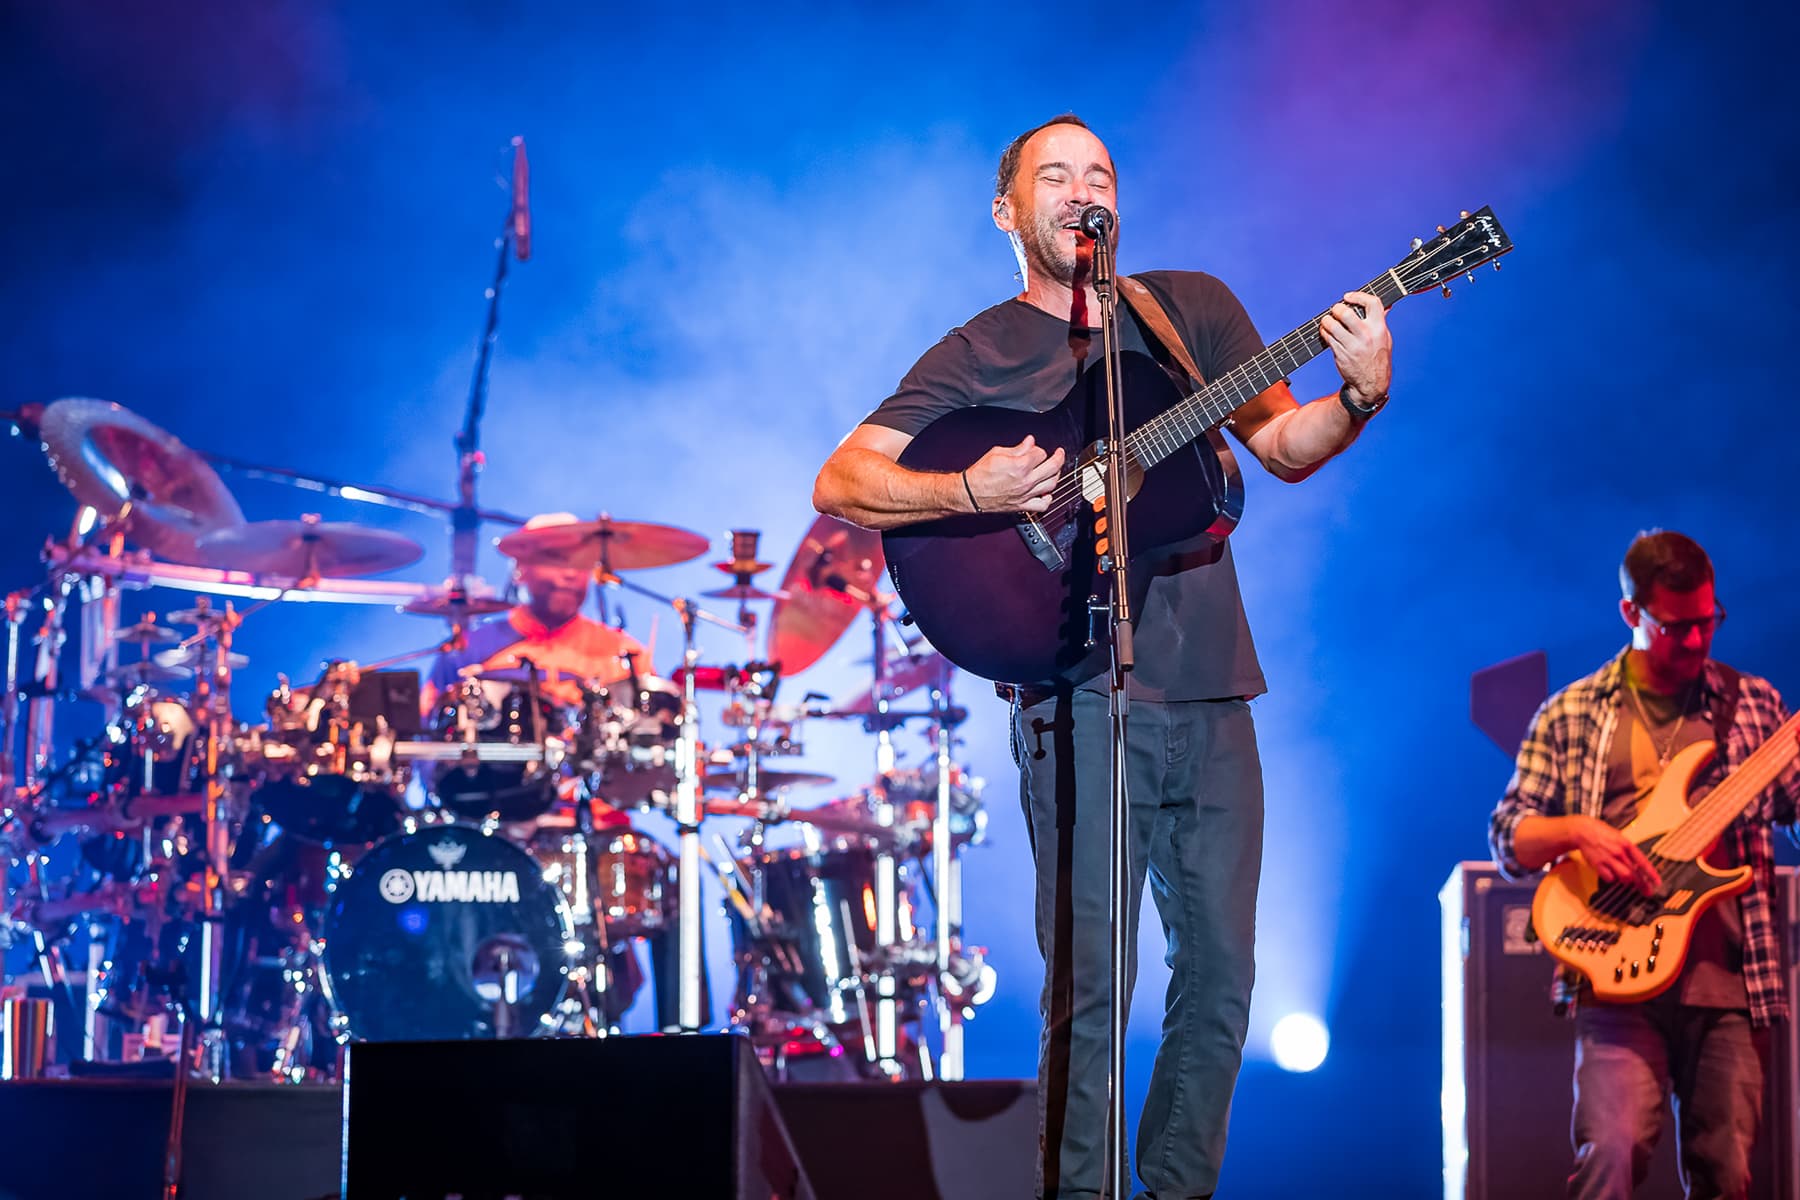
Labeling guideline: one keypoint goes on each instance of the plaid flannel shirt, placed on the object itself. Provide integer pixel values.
(1561, 769)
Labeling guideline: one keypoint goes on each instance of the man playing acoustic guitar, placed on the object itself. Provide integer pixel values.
(1195, 780)
(1589, 768)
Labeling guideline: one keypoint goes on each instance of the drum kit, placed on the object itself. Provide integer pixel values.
(370, 862)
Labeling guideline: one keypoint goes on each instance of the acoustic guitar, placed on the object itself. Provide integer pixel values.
(1014, 598)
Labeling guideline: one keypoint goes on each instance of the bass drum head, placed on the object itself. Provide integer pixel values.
(425, 937)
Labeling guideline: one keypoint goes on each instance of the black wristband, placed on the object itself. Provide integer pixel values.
(1358, 412)
(973, 503)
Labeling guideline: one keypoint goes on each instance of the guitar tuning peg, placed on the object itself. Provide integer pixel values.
(1471, 277)
(1446, 288)
(1496, 264)
(1417, 243)
(1441, 229)
(1464, 214)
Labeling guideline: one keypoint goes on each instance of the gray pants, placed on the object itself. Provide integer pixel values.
(1197, 824)
(1628, 1057)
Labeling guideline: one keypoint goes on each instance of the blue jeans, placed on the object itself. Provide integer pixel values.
(1628, 1058)
(1195, 785)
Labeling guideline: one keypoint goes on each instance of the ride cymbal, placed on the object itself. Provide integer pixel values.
(603, 544)
(147, 632)
(107, 455)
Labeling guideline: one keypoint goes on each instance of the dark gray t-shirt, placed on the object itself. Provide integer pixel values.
(1193, 640)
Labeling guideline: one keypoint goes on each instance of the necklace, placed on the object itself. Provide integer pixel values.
(1667, 749)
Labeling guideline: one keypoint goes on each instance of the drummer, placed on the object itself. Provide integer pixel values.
(569, 650)
(549, 631)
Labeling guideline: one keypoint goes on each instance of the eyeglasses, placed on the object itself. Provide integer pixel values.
(1680, 629)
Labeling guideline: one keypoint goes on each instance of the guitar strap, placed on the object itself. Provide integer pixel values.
(1149, 310)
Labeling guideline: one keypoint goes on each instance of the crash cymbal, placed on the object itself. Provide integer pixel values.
(455, 605)
(836, 574)
(308, 548)
(905, 674)
(147, 632)
(732, 780)
(602, 543)
(194, 656)
(107, 455)
(130, 675)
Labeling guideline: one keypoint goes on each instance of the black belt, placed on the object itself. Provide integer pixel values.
(1025, 695)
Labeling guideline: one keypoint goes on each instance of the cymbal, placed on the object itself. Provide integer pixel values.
(603, 543)
(308, 547)
(742, 591)
(836, 574)
(457, 605)
(106, 455)
(194, 656)
(130, 675)
(904, 674)
(148, 632)
(768, 781)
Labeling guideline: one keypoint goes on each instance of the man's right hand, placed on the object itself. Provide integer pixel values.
(1014, 478)
(1614, 857)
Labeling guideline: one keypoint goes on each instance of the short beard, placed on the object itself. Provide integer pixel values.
(1043, 251)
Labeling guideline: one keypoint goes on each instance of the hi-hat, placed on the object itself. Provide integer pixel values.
(196, 656)
(732, 779)
(455, 605)
(107, 455)
(126, 676)
(602, 543)
(148, 632)
(836, 574)
(743, 591)
(308, 548)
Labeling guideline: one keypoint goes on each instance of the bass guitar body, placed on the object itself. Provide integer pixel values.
(1008, 598)
(1629, 945)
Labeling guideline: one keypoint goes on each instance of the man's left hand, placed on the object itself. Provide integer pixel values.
(1361, 345)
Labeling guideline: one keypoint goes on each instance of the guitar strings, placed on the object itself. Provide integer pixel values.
(1170, 429)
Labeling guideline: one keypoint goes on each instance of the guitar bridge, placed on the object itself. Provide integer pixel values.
(1042, 547)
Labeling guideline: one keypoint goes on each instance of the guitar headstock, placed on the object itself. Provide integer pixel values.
(1473, 241)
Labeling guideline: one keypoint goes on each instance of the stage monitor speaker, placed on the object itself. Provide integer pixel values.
(1509, 1060)
(556, 1119)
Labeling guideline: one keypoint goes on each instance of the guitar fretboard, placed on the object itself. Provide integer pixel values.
(1702, 827)
(1212, 406)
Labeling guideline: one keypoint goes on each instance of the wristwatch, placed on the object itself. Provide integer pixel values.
(1357, 411)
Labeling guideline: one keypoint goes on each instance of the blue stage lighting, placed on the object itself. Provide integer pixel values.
(1299, 1042)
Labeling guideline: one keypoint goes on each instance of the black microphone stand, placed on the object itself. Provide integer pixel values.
(1115, 563)
(465, 518)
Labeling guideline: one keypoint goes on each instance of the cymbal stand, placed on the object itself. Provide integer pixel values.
(687, 819)
(687, 799)
(946, 871)
(212, 695)
(887, 863)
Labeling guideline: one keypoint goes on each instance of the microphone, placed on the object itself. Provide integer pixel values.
(521, 200)
(1095, 221)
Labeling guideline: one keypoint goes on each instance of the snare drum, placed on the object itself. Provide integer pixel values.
(448, 932)
(510, 790)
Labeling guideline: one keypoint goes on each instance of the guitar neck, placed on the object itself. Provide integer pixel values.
(1722, 805)
(1212, 406)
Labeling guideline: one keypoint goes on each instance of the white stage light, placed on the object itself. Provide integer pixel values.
(1299, 1042)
